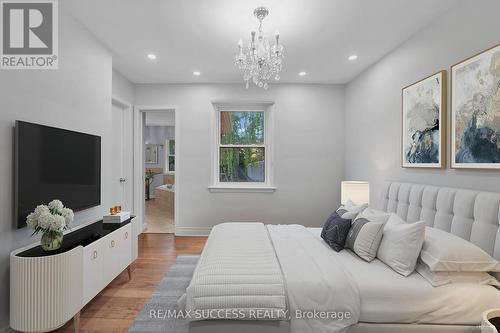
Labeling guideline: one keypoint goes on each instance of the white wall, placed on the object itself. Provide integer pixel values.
(77, 96)
(373, 100)
(122, 88)
(308, 149)
(160, 118)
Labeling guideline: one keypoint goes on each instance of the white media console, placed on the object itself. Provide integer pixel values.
(47, 289)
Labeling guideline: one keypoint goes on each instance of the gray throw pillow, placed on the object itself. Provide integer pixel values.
(364, 238)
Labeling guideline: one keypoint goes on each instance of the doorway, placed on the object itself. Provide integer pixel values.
(158, 146)
(122, 155)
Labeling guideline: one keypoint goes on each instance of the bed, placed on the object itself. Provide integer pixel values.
(237, 269)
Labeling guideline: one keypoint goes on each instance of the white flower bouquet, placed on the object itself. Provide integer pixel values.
(51, 220)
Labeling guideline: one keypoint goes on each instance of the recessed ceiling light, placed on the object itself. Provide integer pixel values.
(302, 73)
(196, 73)
(353, 57)
(151, 56)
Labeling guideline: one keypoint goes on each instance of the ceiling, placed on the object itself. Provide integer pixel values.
(202, 35)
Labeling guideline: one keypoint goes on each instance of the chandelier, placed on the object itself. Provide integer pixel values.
(260, 61)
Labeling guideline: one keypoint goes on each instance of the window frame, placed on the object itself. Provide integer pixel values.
(265, 186)
(167, 155)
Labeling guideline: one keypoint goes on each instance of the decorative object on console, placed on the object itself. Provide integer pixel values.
(475, 94)
(356, 191)
(423, 127)
(115, 210)
(260, 62)
(118, 217)
(51, 220)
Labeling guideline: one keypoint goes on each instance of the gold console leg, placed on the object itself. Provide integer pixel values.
(129, 271)
(76, 323)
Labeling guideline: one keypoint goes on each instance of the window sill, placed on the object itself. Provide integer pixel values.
(241, 189)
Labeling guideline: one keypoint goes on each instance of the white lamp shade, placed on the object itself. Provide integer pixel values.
(357, 191)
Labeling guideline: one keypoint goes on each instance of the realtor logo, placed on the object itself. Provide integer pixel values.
(29, 34)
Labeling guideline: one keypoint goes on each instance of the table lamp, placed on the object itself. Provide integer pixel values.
(357, 191)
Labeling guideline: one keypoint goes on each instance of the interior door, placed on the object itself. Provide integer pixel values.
(122, 156)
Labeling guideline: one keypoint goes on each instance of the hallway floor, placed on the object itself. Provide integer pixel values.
(157, 220)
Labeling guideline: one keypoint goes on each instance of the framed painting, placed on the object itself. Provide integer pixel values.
(423, 128)
(475, 111)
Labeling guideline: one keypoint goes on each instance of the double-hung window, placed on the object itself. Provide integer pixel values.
(170, 156)
(242, 152)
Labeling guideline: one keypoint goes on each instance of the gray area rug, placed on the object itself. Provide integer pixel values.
(152, 317)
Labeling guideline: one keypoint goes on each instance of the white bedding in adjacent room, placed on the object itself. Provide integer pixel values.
(387, 297)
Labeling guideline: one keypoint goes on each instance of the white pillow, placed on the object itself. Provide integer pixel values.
(443, 251)
(401, 244)
(374, 215)
(441, 278)
(394, 220)
(350, 210)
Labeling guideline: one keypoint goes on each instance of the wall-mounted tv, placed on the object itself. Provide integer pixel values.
(53, 163)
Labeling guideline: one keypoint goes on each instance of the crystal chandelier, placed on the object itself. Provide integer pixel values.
(260, 61)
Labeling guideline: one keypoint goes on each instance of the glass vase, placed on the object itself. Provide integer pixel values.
(51, 240)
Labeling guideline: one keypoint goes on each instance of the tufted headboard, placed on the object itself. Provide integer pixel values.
(472, 215)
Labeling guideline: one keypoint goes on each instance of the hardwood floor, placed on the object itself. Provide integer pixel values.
(116, 307)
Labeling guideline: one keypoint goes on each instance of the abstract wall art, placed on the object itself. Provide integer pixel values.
(424, 123)
(475, 111)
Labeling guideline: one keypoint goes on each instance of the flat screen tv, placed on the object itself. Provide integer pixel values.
(53, 163)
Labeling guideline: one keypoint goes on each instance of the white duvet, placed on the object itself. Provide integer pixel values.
(317, 283)
(388, 297)
(241, 272)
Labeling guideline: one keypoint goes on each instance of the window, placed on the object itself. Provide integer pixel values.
(242, 147)
(170, 160)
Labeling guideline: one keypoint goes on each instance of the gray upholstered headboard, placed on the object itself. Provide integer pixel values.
(472, 215)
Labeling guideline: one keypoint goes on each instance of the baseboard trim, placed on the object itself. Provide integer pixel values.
(192, 231)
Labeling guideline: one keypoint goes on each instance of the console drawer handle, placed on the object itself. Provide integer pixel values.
(112, 243)
(94, 255)
(126, 235)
